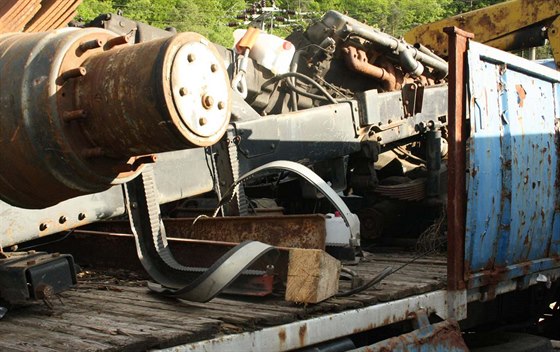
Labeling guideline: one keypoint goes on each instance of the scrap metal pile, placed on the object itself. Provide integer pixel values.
(119, 118)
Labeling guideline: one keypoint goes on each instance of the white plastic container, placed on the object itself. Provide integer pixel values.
(338, 234)
(270, 51)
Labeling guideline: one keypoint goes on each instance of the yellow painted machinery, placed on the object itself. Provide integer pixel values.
(511, 25)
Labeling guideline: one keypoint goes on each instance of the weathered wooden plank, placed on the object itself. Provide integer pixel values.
(115, 310)
(312, 276)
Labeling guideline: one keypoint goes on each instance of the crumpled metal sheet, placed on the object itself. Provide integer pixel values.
(36, 15)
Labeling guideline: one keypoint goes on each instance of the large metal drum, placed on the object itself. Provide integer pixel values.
(82, 109)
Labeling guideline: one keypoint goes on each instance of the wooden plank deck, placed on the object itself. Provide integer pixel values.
(113, 310)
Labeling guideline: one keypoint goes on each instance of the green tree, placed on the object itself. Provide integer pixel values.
(207, 17)
(210, 17)
(89, 9)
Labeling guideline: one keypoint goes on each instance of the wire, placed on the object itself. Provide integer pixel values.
(68, 233)
(383, 274)
(306, 94)
(303, 78)
(379, 277)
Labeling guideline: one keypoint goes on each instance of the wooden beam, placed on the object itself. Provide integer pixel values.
(312, 276)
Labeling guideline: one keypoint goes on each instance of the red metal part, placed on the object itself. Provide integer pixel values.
(456, 202)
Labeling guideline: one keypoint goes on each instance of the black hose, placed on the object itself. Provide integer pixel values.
(379, 277)
(303, 78)
(383, 274)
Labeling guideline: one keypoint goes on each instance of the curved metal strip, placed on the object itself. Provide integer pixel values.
(152, 248)
(220, 275)
(350, 219)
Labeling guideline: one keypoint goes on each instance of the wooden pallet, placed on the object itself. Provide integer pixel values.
(113, 310)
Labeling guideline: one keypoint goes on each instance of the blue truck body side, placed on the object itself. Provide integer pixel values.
(513, 192)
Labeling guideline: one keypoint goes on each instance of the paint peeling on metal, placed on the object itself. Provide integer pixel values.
(443, 336)
(513, 192)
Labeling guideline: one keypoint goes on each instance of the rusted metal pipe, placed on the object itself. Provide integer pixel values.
(357, 60)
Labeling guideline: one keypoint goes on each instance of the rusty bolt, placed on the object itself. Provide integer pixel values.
(207, 101)
(91, 44)
(62, 219)
(68, 116)
(191, 57)
(221, 105)
(270, 269)
(379, 138)
(213, 67)
(81, 216)
(120, 40)
(183, 91)
(31, 262)
(202, 121)
(43, 227)
(73, 73)
(44, 291)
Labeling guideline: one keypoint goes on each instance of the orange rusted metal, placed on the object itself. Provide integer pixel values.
(80, 81)
(457, 144)
(36, 15)
(301, 231)
(357, 60)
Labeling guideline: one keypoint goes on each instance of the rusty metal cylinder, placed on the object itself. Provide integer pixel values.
(82, 109)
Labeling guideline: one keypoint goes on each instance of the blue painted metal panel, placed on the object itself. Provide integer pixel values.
(513, 187)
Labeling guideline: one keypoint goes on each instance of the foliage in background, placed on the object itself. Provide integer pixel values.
(207, 17)
(211, 17)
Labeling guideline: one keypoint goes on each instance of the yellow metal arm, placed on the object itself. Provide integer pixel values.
(510, 25)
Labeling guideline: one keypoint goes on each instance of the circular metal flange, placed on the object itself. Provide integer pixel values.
(200, 89)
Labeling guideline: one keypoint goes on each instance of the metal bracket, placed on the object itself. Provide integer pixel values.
(457, 305)
(35, 275)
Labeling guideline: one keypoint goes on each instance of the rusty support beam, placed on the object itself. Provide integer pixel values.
(456, 196)
(296, 231)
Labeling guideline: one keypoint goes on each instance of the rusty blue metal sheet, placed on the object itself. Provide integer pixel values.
(442, 336)
(513, 186)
